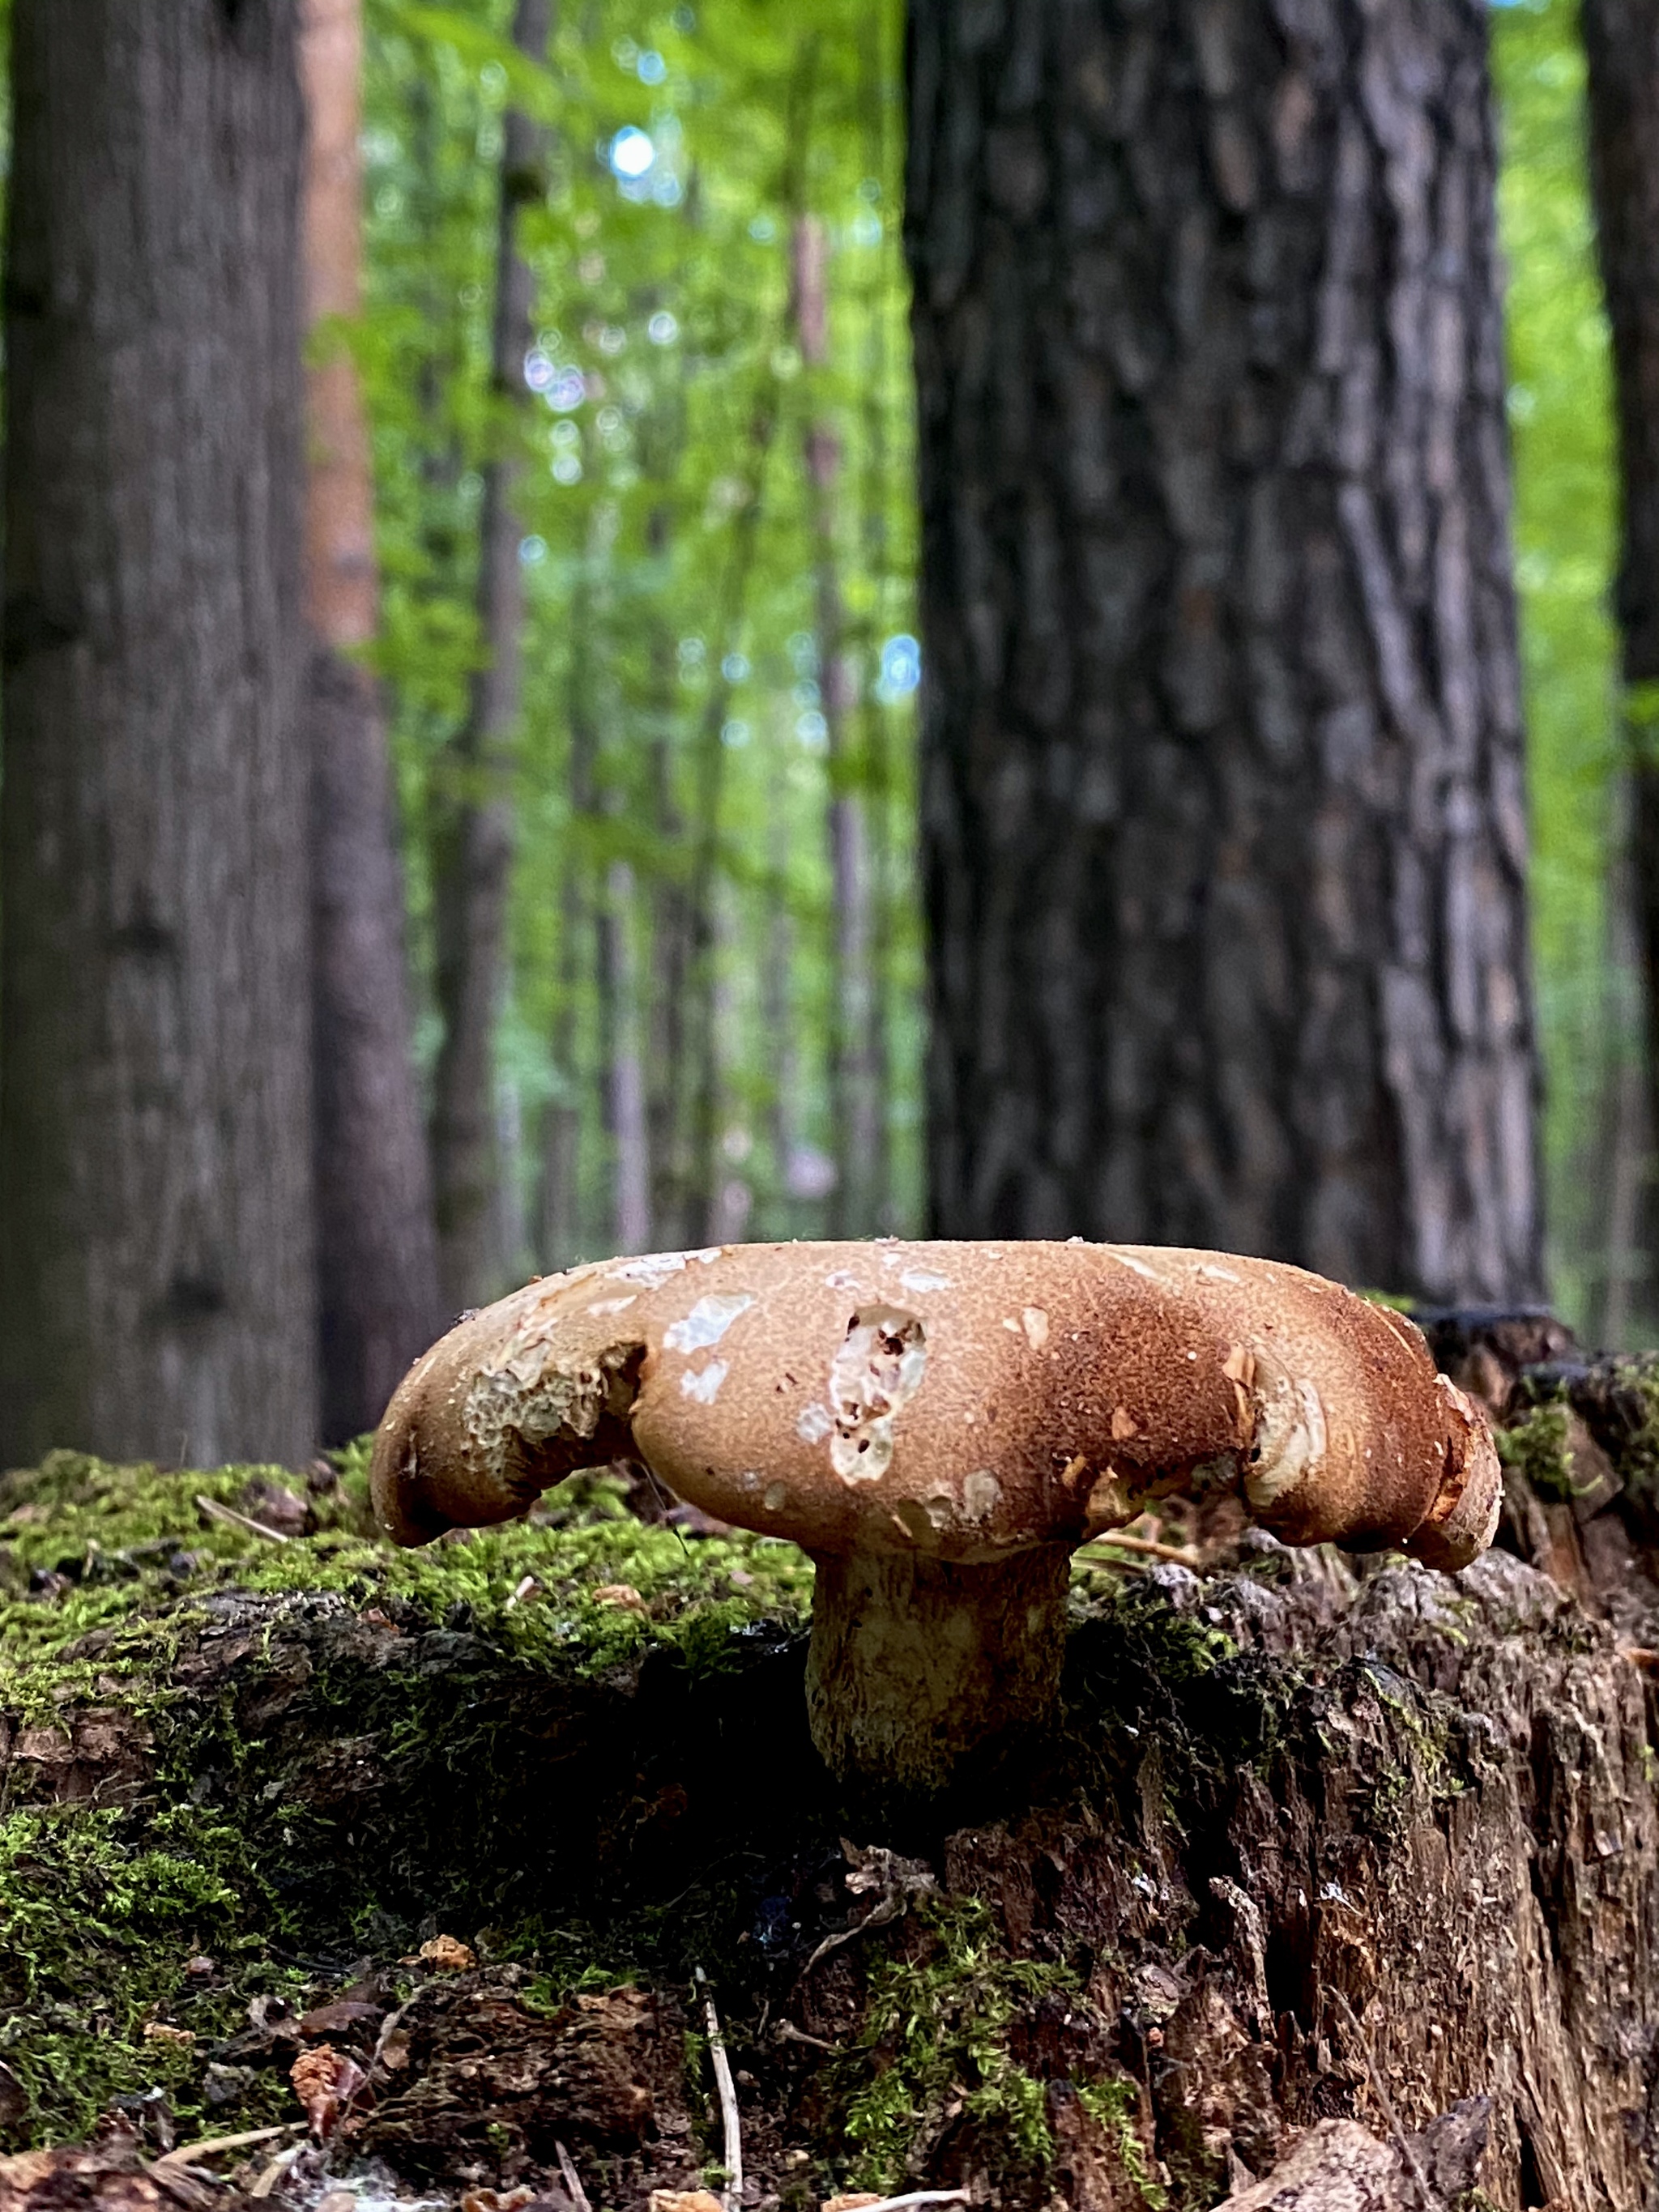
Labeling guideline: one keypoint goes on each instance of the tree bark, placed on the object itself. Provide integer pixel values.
(1222, 820)
(854, 1104)
(376, 1245)
(1621, 46)
(631, 1186)
(157, 1294)
(474, 854)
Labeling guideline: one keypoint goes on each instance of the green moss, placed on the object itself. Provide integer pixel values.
(1113, 2105)
(1637, 1452)
(933, 2047)
(1535, 1446)
(106, 1573)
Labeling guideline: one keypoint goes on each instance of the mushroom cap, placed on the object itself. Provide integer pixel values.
(957, 1399)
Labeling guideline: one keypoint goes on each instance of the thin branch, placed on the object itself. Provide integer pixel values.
(919, 2196)
(730, 2126)
(1431, 2201)
(1152, 1549)
(572, 2179)
(208, 2144)
(232, 1519)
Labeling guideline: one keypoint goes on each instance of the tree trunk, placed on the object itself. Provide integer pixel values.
(474, 845)
(631, 1167)
(376, 1247)
(1621, 46)
(157, 1294)
(855, 1106)
(1223, 828)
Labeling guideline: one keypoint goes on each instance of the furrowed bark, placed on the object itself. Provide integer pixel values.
(157, 1292)
(1621, 48)
(1222, 820)
(376, 1245)
(474, 855)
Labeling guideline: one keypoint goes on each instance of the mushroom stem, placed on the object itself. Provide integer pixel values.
(917, 1665)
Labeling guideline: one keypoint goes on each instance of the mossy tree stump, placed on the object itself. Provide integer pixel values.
(1308, 1839)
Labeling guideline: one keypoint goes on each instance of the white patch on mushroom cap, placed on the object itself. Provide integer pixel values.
(1290, 1437)
(1035, 1323)
(1212, 1273)
(1135, 1267)
(981, 1493)
(875, 1372)
(613, 1305)
(706, 1322)
(815, 1425)
(921, 1279)
(703, 1383)
(652, 1270)
(841, 1279)
(776, 1497)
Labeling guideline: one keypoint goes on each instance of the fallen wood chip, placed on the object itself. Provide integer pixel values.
(448, 1953)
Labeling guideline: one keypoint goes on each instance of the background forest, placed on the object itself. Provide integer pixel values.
(625, 536)
(678, 556)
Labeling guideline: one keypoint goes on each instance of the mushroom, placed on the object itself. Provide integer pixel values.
(939, 1425)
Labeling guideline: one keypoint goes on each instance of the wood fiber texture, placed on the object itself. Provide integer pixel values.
(1224, 842)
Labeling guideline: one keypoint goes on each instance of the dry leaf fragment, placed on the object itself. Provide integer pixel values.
(685, 2200)
(343, 2015)
(158, 2031)
(326, 2080)
(625, 1596)
(449, 1955)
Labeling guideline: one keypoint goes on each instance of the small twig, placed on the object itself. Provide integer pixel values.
(1431, 2203)
(573, 2180)
(730, 2127)
(787, 2032)
(209, 2144)
(919, 2196)
(232, 1519)
(273, 2173)
(528, 1587)
(1153, 1550)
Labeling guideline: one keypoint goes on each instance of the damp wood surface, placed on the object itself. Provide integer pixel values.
(1316, 1842)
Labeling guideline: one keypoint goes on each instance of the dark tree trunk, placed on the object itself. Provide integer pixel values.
(377, 1250)
(156, 1283)
(1621, 45)
(474, 846)
(1225, 835)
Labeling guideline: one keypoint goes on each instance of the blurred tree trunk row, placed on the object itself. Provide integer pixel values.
(473, 846)
(376, 1245)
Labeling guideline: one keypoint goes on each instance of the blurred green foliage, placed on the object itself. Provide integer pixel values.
(1561, 422)
(672, 668)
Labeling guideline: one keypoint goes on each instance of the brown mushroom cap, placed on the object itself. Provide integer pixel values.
(956, 1400)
